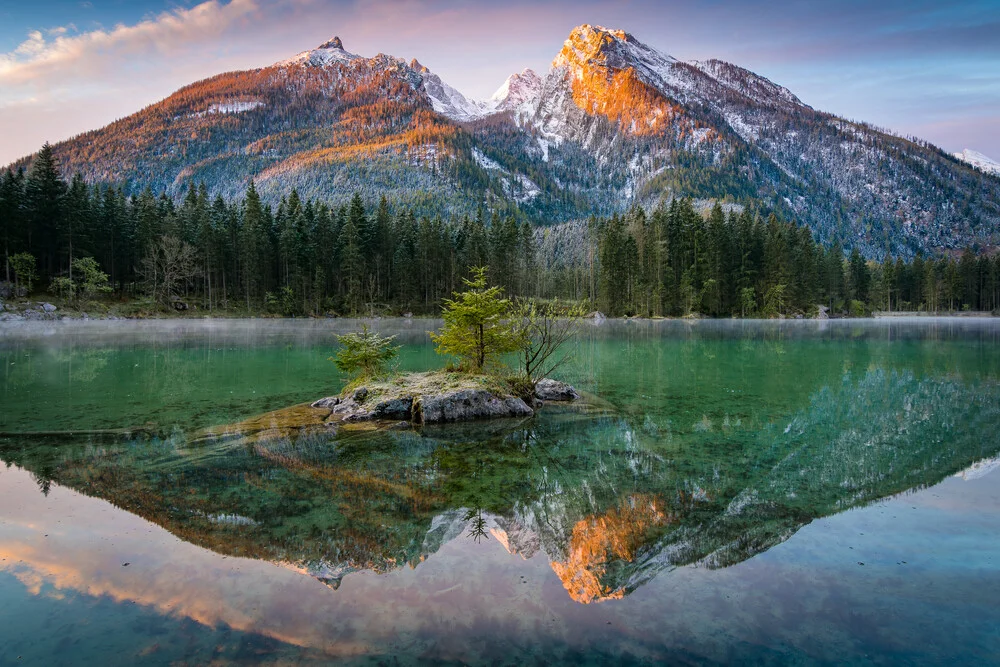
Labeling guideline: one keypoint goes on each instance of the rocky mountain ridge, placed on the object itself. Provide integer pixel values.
(613, 123)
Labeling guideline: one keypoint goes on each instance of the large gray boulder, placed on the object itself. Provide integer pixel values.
(465, 405)
(349, 410)
(394, 408)
(548, 389)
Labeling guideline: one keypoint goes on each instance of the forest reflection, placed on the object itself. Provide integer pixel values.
(611, 498)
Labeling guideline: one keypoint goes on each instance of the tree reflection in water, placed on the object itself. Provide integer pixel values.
(610, 499)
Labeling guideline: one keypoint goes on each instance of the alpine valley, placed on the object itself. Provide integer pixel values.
(613, 123)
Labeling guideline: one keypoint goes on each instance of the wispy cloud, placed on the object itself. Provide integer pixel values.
(62, 55)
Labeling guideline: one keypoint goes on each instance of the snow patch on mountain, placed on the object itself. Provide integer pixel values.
(521, 189)
(518, 187)
(979, 161)
(229, 107)
(979, 468)
(234, 107)
(748, 84)
(544, 145)
(486, 163)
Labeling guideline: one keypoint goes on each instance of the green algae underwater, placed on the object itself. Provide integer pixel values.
(764, 492)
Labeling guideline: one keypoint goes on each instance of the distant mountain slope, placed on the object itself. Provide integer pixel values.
(613, 123)
(980, 161)
(657, 127)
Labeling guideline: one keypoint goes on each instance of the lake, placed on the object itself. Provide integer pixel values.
(759, 492)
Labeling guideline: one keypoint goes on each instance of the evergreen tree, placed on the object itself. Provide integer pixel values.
(478, 327)
(253, 246)
(44, 193)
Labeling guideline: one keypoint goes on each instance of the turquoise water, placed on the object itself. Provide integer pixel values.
(793, 492)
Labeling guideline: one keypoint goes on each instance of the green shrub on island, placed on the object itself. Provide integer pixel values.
(481, 326)
(365, 354)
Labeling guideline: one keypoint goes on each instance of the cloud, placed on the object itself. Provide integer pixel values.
(61, 57)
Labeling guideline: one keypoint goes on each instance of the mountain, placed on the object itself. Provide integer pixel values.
(614, 122)
(979, 161)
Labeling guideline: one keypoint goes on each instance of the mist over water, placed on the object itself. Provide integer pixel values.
(737, 491)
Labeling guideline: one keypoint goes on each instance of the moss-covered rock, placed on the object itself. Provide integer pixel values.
(427, 398)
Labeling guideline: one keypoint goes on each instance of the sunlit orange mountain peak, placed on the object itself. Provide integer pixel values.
(614, 123)
(597, 541)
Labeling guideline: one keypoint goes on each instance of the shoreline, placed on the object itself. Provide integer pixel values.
(35, 316)
(25, 311)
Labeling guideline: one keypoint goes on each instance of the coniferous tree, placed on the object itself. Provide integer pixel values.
(44, 193)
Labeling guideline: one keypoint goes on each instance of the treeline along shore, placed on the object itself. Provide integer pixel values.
(93, 246)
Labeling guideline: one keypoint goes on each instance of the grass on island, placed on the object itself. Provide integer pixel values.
(403, 385)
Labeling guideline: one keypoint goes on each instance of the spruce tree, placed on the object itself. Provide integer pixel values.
(478, 327)
(44, 192)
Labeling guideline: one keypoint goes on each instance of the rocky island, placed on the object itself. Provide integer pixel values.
(406, 401)
(440, 396)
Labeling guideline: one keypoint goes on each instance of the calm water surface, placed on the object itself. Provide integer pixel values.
(795, 492)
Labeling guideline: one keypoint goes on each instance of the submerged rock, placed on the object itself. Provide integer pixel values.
(548, 389)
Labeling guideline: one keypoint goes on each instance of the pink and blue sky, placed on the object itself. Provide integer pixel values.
(929, 69)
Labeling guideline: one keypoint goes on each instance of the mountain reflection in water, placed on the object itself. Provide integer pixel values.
(604, 496)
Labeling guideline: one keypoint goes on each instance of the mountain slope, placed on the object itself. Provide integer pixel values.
(613, 123)
(659, 127)
(980, 161)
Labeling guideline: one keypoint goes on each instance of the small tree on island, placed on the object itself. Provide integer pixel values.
(479, 325)
(545, 328)
(365, 354)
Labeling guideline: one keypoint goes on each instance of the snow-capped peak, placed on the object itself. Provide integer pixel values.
(595, 45)
(334, 43)
(330, 51)
(979, 161)
(518, 94)
(447, 100)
